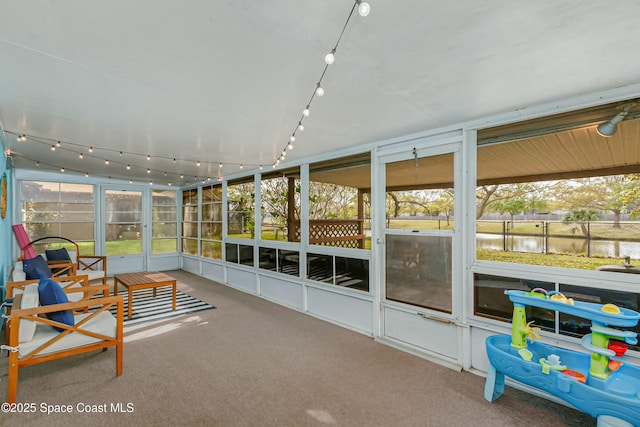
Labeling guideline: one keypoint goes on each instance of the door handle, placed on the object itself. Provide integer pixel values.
(379, 241)
(437, 319)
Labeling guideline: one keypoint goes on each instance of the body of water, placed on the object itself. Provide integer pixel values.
(534, 244)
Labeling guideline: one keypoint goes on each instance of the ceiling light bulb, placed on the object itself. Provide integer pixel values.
(169, 184)
(292, 139)
(219, 165)
(260, 167)
(306, 112)
(37, 163)
(329, 57)
(128, 167)
(148, 157)
(198, 163)
(290, 146)
(165, 174)
(86, 175)
(363, 8)
(181, 176)
(58, 144)
(130, 181)
(62, 170)
(106, 162)
(241, 166)
(150, 182)
(53, 148)
(81, 155)
(319, 90)
(174, 160)
(121, 154)
(148, 170)
(300, 127)
(91, 149)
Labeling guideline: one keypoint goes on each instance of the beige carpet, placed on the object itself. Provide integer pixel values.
(254, 363)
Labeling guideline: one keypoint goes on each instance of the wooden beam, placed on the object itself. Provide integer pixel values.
(291, 209)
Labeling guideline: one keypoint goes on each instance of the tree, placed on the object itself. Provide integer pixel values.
(631, 194)
(241, 202)
(274, 193)
(328, 201)
(484, 195)
(605, 193)
(444, 204)
(511, 206)
(497, 198)
(581, 217)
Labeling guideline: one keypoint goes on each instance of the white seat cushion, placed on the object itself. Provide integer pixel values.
(18, 274)
(30, 299)
(104, 323)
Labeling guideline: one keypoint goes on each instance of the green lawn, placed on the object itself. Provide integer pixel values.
(551, 260)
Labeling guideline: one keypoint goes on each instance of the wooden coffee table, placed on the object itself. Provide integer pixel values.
(135, 281)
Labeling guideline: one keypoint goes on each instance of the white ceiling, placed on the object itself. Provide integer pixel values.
(226, 81)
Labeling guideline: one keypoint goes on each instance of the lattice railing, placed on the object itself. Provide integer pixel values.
(346, 233)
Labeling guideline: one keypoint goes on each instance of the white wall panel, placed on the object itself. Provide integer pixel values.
(412, 329)
(163, 263)
(213, 271)
(191, 265)
(282, 291)
(242, 279)
(354, 312)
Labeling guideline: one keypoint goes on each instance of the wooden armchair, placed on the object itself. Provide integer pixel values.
(33, 338)
(94, 266)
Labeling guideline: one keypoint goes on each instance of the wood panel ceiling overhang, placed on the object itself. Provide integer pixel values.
(578, 152)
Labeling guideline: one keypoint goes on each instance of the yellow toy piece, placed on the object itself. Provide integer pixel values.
(611, 308)
(532, 333)
(561, 298)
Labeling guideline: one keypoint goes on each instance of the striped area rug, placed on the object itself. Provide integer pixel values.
(147, 309)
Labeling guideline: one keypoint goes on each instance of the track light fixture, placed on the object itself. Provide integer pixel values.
(609, 128)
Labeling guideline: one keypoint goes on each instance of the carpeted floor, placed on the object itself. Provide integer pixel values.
(253, 363)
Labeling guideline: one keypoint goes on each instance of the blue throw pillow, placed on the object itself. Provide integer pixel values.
(58, 255)
(52, 293)
(36, 268)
